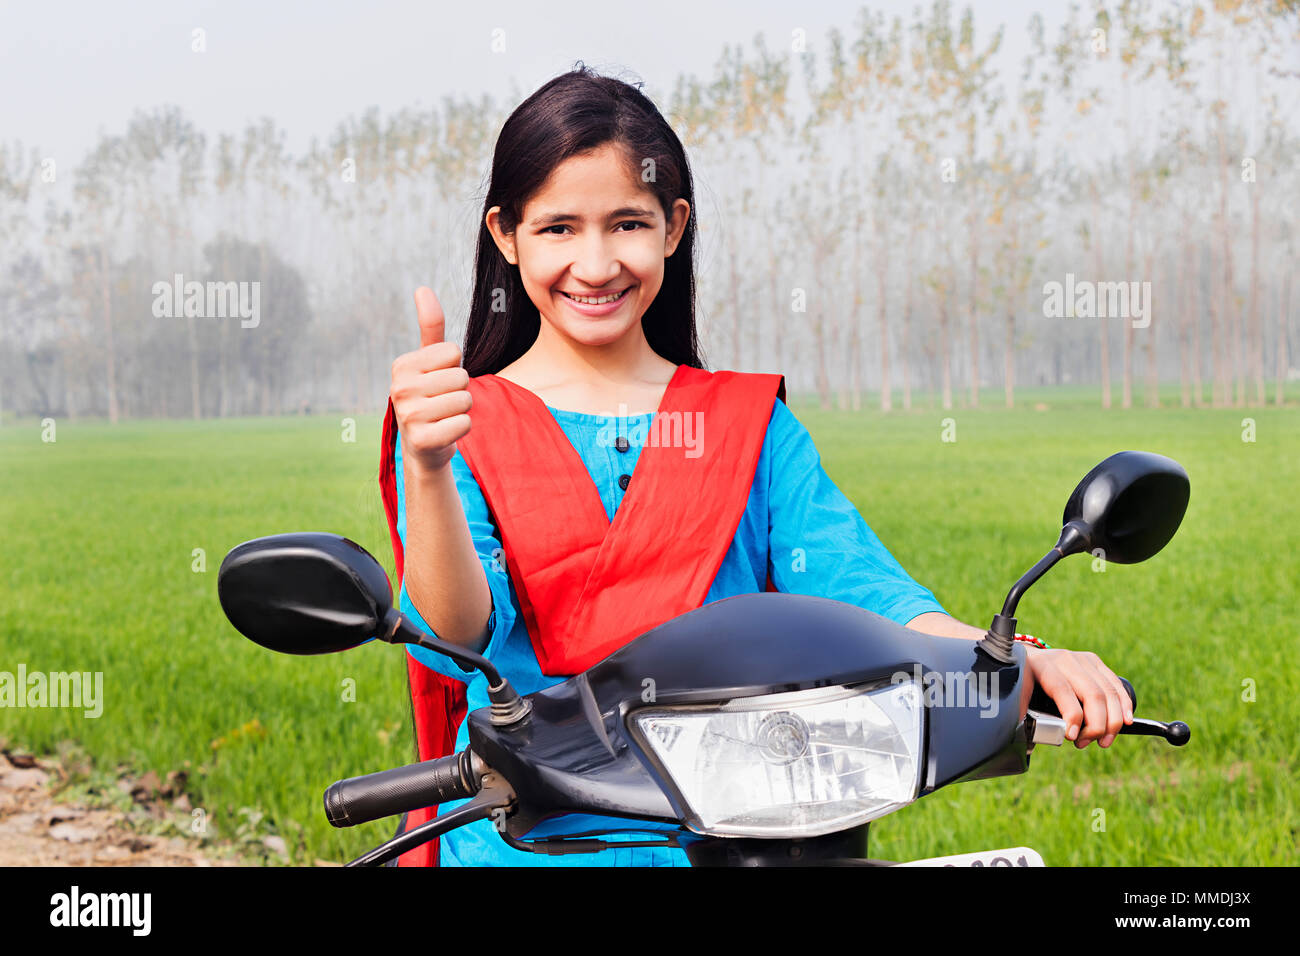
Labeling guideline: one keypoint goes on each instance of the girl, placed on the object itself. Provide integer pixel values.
(580, 345)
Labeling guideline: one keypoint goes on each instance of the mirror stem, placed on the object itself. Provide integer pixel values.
(1074, 538)
(997, 642)
(507, 706)
(1028, 578)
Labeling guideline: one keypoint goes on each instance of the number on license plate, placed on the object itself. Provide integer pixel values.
(1015, 856)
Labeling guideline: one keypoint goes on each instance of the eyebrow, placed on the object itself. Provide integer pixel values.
(558, 217)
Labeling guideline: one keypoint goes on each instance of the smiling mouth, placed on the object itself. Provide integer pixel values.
(617, 298)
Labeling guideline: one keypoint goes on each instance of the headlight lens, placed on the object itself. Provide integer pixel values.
(791, 765)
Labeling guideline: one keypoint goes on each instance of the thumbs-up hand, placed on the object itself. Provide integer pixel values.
(429, 393)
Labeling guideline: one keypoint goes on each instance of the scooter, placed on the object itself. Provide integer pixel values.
(762, 729)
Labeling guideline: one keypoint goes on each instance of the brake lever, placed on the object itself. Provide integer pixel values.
(1176, 732)
(1050, 729)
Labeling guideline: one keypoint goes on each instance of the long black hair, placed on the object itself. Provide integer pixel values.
(575, 113)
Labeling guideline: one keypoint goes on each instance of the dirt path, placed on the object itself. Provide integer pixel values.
(37, 830)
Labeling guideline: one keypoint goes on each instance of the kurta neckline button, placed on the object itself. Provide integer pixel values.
(621, 443)
(624, 481)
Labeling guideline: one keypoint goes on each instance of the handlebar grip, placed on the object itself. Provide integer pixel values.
(359, 800)
(1132, 694)
(1040, 702)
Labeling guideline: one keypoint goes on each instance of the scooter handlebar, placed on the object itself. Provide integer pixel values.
(359, 800)
(1040, 702)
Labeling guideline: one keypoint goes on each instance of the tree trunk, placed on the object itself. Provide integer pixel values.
(110, 355)
(945, 360)
(191, 334)
(1198, 386)
(1103, 339)
(854, 357)
(733, 281)
(972, 308)
(1126, 400)
(1008, 360)
(1223, 324)
(904, 356)
(1256, 329)
(1183, 304)
(819, 344)
(882, 315)
(1153, 373)
(777, 305)
(1283, 315)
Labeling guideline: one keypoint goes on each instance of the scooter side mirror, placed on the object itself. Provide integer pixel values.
(304, 593)
(1128, 507)
(315, 593)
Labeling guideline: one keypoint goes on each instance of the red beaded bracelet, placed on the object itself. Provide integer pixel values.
(1036, 642)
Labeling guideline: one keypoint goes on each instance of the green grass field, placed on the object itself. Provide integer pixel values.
(98, 574)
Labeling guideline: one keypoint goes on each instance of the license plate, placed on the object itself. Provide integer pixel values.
(1015, 856)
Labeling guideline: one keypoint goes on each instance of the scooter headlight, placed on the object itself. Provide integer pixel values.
(791, 765)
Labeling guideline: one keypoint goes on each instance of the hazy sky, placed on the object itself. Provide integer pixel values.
(71, 69)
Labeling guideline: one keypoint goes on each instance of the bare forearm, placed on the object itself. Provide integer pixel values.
(443, 574)
(943, 625)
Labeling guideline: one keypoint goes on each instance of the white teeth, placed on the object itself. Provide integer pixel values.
(597, 301)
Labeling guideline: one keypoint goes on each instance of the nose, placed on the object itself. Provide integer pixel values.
(595, 263)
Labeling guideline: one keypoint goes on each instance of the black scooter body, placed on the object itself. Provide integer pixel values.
(579, 753)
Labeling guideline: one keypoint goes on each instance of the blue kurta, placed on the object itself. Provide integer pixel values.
(797, 522)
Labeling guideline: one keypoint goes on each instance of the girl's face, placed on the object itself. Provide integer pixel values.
(592, 231)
